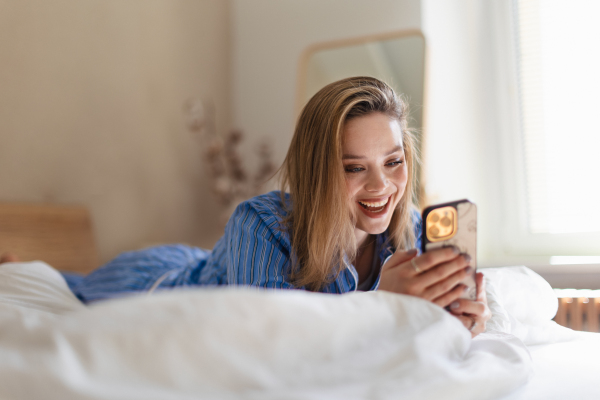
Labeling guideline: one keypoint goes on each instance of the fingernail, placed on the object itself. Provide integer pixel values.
(411, 252)
(455, 250)
(467, 257)
(465, 288)
(468, 270)
(454, 305)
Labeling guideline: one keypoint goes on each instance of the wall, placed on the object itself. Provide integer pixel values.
(462, 149)
(91, 112)
(268, 39)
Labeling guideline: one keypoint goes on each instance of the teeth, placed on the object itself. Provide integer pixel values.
(375, 204)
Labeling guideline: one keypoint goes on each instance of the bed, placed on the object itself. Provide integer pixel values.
(258, 344)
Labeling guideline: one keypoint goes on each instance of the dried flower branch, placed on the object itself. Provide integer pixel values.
(231, 183)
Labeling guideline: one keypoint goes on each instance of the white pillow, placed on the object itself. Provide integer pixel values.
(524, 294)
(38, 286)
(523, 304)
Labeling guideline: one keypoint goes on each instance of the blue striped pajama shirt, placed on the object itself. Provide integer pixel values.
(254, 251)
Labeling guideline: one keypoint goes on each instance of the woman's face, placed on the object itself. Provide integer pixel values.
(375, 170)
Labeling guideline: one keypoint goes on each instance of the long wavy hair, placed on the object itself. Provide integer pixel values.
(319, 220)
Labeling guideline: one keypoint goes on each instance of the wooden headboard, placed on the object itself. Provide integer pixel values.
(59, 235)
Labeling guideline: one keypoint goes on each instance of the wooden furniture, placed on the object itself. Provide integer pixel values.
(59, 235)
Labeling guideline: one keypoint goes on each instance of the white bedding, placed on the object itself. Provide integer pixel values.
(566, 363)
(251, 344)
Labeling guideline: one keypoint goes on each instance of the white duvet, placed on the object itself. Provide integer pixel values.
(254, 344)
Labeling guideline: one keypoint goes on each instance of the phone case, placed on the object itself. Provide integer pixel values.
(453, 224)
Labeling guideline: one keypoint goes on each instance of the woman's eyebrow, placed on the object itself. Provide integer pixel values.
(355, 157)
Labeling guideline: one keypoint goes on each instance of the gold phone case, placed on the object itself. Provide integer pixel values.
(453, 224)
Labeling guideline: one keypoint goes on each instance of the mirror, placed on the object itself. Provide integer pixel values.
(397, 58)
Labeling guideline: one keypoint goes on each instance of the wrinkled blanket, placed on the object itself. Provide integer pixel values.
(257, 344)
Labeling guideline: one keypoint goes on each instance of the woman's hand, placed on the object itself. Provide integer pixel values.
(473, 314)
(433, 276)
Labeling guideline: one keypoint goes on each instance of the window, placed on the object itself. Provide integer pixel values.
(559, 82)
(558, 74)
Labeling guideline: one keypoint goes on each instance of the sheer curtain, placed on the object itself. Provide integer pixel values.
(558, 49)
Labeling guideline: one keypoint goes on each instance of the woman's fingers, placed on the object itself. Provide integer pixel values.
(436, 257)
(481, 296)
(444, 286)
(465, 306)
(449, 297)
(443, 271)
(478, 311)
(398, 258)
(397, 274)
(437, 276)
(433, 276)
(472, 324)
(468, 322)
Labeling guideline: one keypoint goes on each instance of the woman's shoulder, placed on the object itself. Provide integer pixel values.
(275, 203)
(266, 210)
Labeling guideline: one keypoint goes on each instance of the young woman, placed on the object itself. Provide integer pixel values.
(344, 220)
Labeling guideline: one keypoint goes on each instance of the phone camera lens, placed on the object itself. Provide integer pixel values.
(434, 231)
(435, 218)
(446, 222)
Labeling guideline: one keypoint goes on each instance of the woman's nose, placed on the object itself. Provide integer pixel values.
(376, 181)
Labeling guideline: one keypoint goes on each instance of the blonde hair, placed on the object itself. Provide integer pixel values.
(319, 221)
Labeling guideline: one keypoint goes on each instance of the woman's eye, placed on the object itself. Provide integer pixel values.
(395, 163)
(353, 169)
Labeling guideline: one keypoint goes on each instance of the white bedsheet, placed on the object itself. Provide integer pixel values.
(251, 344)
(566, 363)
(564, 370)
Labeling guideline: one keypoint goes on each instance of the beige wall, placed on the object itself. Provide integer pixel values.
(91, 96)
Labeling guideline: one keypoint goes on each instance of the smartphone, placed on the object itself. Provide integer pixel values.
(453, 224)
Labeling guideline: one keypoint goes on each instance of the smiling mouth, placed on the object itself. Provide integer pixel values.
(374, 207)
